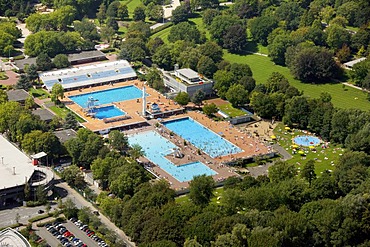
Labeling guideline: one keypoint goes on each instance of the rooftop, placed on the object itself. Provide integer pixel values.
(353, 62)
(44, 114)
(11, 158)
(10, 237)
(65, 135)
(188, 73)
(88, 75)
(75, 57)
(17, 95)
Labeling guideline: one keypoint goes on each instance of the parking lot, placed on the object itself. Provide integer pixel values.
(70, 234)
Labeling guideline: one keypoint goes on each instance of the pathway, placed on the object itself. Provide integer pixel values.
(356, 87)
(12, 80)
(169, 8)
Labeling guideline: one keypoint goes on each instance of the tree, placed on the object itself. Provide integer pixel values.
(185, 31)
(206, 66)
(180, 14)
(139, 13)
(297, 110)
(29, 103)
(73, 176)
(136, 151)
(201, 190)
(290, 13)
(43, 62)
(198, 97)
(31, 72)
(118, 140)
(211, 50)
(154, 11)
(155, 80)
(248, 83)
(278, 48)
(101, 14)
(112, 23)
(132, 49)
(40, 194)
(57, 91)
(209, 15)
(235, 38)
(153, 44)
(223, 80)
(17, 217)
(69, 209)
(86, 29)
(23, 82)
(221, 25)
(70, 121)
(204, 4)
(182, 98)
(210, 109)
(261, 27)
(27, 191)
(122, 11)
(37, 141)
(308, 171)
(337, 37)
(311, 64)
(113, 9)
(281, 171)
(107, 33)
(237, 95)
(61, 61)
(162, 57)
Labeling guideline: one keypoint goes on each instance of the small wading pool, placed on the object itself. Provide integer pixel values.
(306, 141)
(107, 112)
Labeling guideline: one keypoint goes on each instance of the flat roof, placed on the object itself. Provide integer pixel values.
(88, 75)
(65, 135)
(74, 57)
(17, 95)
(353, 62)
(188, 73)
(11, 156)
(11, 237)
(45, 115)
(21, 64)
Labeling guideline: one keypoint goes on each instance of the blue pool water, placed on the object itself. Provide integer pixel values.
(108, 112)
(108, 96)
(157, 147)
(201, 137)
(307, 141)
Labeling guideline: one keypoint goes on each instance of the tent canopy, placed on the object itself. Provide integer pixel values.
(38, 155)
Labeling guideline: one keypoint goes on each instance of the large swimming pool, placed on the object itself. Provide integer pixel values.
(107, 112)
(108, 96)
(201, 137)
(157, 147)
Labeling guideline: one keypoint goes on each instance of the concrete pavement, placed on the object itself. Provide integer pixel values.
(81, 202)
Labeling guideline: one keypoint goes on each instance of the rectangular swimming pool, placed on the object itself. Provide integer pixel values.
(157, 147)
(108, 96)
(201, 137)
(107, 112)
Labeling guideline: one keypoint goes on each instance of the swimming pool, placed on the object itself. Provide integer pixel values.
(306, 140)
(157, 147)
(201, 137)
(108, 96)
(107, 112)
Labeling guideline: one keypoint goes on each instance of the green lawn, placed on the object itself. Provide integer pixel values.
(218, 192)
(62, 112)
(262, 68)
(163, 35)
(39, 93)
(131, 5)
(3, 76)
(325, 158)
(201, 26)
(231, 111)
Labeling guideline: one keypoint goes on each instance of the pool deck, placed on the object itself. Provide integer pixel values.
(133, 108)
(250, 145)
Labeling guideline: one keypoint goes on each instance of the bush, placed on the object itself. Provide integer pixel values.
(19, 57)
(40, 217)
(163, 27)
(107, 50)
(34, 203)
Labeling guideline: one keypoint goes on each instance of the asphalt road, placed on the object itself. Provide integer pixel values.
(50, 239)
(80, 234)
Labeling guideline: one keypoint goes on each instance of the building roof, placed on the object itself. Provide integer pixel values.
(21, 64)
(73, 57)
(83, 55)
(188, 73)
(65, 135)
(12, 159)
(353, 62)
(88, 75)
(11, 237)
(45, 115)
(17, 95)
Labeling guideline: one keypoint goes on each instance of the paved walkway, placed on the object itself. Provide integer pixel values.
(12, 80)
(169, 8)
(356, 87)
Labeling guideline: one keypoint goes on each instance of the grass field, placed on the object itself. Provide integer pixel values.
(131, 6)
(39, 93)
(62, 112)
(325, 158)
(3, 76)
(231, 111)
(262, 68)
(217, 193)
